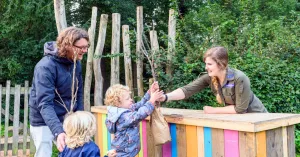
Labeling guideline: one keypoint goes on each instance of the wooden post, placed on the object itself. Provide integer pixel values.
(16, 120)
(127, 58)
(25, 127)
(6, 117)
(171, 41)
(139, 53)
(89, 62)
(115, 49)
(154, 45)
(98, 93)
(60, 15)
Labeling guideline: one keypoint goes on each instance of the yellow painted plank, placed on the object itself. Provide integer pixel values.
(261, 145)
(98, 135)
(191, 138)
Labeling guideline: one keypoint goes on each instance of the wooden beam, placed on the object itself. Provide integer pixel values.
(139, 53)
(115, 49)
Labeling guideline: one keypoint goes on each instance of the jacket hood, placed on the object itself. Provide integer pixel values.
(114, 113)
(50, 48)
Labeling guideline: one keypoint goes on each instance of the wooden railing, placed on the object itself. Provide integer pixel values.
(16, 139)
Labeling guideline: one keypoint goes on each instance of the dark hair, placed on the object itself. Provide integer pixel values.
(68, 37)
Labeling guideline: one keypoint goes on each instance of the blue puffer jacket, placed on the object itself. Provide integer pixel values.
(50, 73)
(124, 123)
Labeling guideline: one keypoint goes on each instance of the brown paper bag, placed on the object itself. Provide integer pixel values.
(159, 127)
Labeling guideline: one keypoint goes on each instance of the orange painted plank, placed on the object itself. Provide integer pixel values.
(261, 145)
(98, 135)
(192, 141)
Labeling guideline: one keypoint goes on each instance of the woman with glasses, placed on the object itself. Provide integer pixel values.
(51, 93)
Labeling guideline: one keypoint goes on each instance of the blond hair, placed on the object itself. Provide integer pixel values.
(220, 56)
(113, 94)
(68, 37)
(79, 126)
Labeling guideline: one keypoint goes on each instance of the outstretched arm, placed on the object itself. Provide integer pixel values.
(217, 110)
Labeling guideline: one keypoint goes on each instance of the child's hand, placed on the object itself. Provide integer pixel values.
(112, 153)
(155, 96)
(154, 87)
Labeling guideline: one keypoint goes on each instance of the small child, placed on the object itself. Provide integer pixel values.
(123, 117)
(80, 126)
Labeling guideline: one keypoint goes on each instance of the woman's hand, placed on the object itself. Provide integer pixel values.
(156, 96)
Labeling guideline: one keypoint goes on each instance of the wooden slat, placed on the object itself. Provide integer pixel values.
(139, 53)
(150, 141)
(291, 141)
(89, 62)
(144, 138)
(104, 133)
(115, 49)
(274, 143)
(0, 112)
(99, 134)
(191, 138)
(127, 58)
(174, 140)
(200, 137)
(261, 145)
(217, 142)
(231, 142)
(247, 144)
(6, 117)
(181, 140)
(12, 90)
(207, 142)
(166, 148)
(141, 153)
(25, 128)
(98, 91)
(284, 142)
(16, 120)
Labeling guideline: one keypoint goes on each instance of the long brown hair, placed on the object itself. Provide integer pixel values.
(220, 56)
(68, 37)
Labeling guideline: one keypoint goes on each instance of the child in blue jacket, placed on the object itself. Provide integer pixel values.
(123, 117)
(80, 126)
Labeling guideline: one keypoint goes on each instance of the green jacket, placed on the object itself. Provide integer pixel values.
(235, 90)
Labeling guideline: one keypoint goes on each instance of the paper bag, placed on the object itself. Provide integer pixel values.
(159, 127)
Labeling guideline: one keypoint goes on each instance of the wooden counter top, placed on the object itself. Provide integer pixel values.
(249, 122)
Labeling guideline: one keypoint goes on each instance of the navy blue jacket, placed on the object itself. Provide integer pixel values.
(87, 150)
(53, 72)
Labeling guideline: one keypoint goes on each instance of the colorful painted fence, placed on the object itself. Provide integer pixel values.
(213, 135)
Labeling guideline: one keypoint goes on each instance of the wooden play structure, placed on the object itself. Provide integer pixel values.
(195, 134)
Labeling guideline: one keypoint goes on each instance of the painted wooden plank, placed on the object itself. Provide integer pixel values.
(200, 137)
(144, 139)
(7, 100)
(99, 135)
(181, 140)
(291, 141)
(16, 121)
(207, 142)
(25, 127)
(191, 138)
(108, 140)
(231, 138)
(166, 149)
(217, 140)
(141, 141)
(284, 142)
(247, 144)
(104, 133)
(174, 140)
(261, 145)
(274, 143)
(150, 141)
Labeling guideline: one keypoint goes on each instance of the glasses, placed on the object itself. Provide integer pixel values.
(82, 48)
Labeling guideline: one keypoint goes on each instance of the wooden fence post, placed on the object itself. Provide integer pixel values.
(127, 58)
(115, 49)
(139, 53)
(154, 46)
(16, 120)
(98, 92)
(25, 127)
(89, 62)
(60, 15)
(6, 117)
(171, 41)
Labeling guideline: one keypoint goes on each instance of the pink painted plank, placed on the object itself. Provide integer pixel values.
(144, 134)
(166, 149)
(231, 139)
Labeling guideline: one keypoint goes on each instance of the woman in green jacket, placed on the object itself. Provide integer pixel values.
(230, 86)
